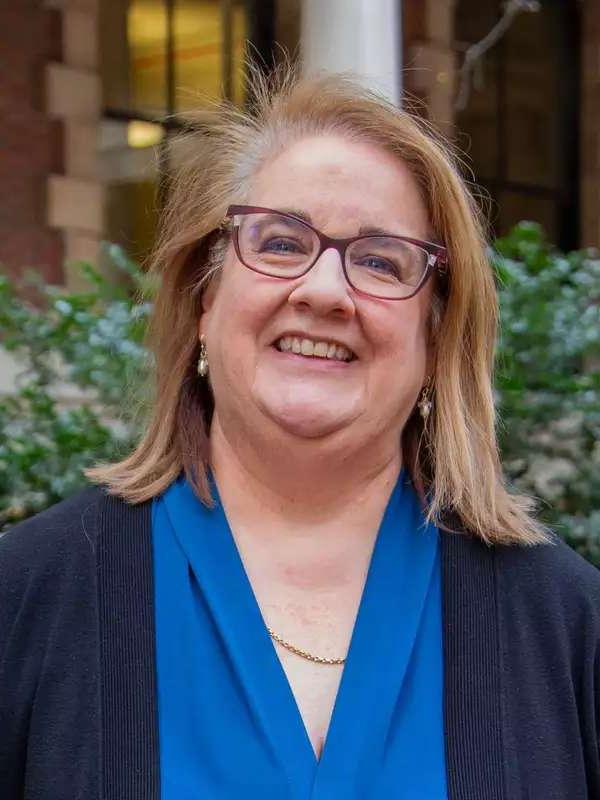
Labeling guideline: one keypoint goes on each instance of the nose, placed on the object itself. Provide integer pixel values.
(324, 287)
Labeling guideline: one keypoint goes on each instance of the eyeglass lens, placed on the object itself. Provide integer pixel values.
(284, 247)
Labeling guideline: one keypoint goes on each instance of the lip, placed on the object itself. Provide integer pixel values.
(316, 338)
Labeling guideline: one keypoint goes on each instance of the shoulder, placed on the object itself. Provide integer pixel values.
(548, 588)
(553, 572)
(549, 595)
(53, 549)
(71, 522)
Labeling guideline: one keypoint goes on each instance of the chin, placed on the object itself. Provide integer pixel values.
(307, 411)
(308, 423)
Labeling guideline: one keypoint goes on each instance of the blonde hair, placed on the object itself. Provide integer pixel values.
(453, 459)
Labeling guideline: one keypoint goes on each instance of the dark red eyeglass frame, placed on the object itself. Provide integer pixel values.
(437, 253)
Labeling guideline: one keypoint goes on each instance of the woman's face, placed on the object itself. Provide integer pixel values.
(341, 186)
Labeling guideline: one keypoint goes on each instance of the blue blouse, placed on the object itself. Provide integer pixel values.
(229, 726)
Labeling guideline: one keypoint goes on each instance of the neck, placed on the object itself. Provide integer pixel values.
(302, 486)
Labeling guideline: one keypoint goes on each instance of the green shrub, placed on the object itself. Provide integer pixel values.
(547, 383)
(84, 349)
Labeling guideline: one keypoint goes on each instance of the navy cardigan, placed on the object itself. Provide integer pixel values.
(78, 712)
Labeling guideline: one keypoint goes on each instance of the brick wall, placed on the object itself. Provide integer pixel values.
(30, 142)
(590, 124)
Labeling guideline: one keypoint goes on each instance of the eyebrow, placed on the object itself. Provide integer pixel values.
(297, 213)
(373, 230)
(364, 230)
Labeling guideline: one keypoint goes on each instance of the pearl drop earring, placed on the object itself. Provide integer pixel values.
(425, 403)
(203, 360)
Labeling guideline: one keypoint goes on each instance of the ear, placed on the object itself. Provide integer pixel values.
(208, 295)
(207, 301)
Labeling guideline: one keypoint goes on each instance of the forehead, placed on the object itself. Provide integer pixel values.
(343, 184)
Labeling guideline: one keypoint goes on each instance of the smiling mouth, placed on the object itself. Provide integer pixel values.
(314, 349)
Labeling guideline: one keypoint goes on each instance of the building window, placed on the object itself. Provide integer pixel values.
(520, 125)
(159, 60)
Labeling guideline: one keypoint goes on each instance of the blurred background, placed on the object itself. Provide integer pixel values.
(87, 87)
(92, 95)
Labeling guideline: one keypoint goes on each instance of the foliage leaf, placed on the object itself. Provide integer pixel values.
(547, 385)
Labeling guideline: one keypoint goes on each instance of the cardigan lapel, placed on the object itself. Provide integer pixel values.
(472, 678)
(129, 750)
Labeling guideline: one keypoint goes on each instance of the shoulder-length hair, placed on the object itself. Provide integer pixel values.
(453, 459)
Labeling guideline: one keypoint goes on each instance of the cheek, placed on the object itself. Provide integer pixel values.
(227, 306)
(247, 315)
(243, 307)
(401, 337)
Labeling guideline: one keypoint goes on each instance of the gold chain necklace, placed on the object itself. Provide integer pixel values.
(304, 653)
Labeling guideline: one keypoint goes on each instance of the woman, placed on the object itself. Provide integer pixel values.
(309, 580)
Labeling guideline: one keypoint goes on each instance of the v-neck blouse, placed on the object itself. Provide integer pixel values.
(229, 725)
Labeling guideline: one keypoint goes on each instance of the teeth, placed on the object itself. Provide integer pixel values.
(307, 347)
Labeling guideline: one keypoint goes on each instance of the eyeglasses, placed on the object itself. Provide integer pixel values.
(281, 245)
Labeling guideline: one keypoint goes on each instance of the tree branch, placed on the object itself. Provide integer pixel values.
(474, 53)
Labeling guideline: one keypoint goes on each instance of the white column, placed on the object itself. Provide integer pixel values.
(363, 37)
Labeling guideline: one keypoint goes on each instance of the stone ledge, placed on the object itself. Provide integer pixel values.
(72, 93)
(75, 204)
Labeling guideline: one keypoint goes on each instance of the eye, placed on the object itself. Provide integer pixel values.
(379, 264)
(281, 245)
